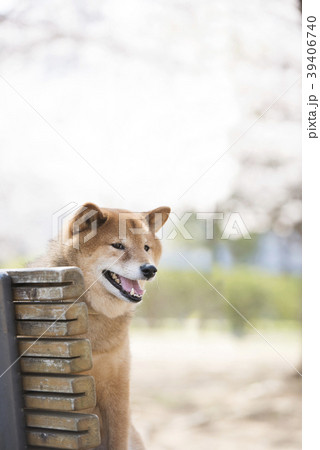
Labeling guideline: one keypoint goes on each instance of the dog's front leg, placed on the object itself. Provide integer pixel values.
(113, 404)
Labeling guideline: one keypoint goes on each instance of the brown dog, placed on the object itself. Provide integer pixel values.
(117, 252)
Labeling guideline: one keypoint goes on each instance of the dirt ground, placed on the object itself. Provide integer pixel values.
(212, 391)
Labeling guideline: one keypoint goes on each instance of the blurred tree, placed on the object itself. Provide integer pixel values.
(266, 141)
(274, 202)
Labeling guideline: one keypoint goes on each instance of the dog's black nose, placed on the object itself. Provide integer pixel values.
(148, 270)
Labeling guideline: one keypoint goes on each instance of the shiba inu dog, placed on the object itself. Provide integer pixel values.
(116, 261)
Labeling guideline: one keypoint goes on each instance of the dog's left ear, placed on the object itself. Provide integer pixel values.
(157, 217)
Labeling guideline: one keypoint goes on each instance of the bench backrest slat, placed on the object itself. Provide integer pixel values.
(47, 317)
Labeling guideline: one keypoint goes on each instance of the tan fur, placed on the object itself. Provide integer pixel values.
(109, 315)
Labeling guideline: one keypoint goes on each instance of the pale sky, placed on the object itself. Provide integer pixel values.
(149, 99)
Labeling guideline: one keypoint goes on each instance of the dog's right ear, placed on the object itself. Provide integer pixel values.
(84, 217)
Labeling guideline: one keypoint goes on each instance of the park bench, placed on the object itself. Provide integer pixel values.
(42, 391)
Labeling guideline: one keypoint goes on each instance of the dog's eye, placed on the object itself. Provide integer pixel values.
(147, 248)
(118, 245)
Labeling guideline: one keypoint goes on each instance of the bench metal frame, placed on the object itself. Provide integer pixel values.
(12, 428)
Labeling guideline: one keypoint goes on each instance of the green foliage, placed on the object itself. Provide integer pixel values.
(15, 263)
(255, 294)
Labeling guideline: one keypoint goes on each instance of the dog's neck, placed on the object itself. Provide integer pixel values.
(107, 334)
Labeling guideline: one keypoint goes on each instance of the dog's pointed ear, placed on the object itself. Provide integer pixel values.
(84, 217)
(157, 217)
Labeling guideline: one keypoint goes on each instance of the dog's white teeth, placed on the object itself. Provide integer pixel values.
(132, 292)
(115, 278)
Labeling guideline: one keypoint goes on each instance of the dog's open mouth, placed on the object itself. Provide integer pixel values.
(130, 289)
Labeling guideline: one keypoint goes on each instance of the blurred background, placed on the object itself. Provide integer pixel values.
(193, 104)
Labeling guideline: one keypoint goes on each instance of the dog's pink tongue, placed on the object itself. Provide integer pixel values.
(129, 284)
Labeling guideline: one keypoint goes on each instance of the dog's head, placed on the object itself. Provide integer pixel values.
(117, 251)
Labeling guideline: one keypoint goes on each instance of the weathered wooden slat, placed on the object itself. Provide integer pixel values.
(49, 283)
(54, 293)
(49, 365)
(60, 393)
(51, 311)
(55, 356)
(46, 275)
(36, 319)
(67, 348)
(46, 328)
(62, 430)
(58, 383)
(57, 402)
